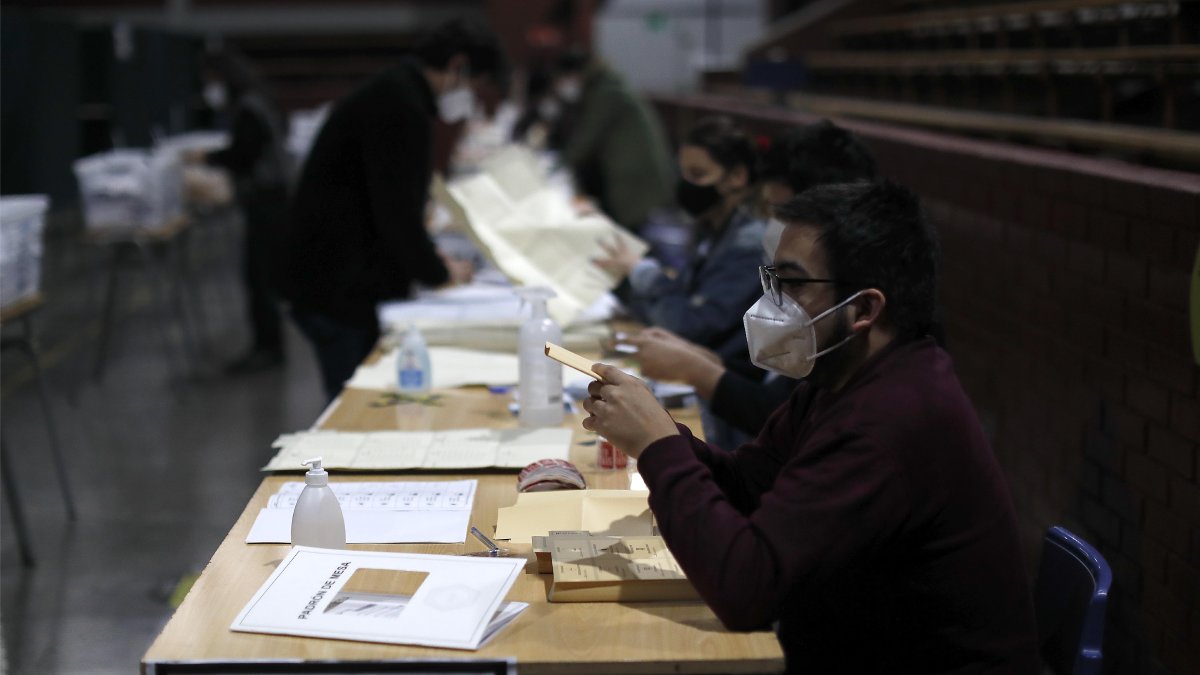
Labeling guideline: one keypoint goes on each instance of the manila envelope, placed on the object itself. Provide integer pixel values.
(607, 512)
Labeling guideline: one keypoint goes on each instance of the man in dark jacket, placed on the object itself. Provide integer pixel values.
(357, 227)
(869, 521)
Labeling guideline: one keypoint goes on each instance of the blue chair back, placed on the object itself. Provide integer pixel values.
(1070, 598)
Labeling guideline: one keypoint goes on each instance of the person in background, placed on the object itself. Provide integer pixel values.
(613, 142)
(703, 303)
(734, 389)
(258, 166)
(356, 232)
(869, 521)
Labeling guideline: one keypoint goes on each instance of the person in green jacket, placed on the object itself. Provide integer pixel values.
(615, 144)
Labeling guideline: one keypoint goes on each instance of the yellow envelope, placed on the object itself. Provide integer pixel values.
(607, 512)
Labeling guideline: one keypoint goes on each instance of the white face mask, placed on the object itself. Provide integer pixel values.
(783, 339)
(215, 95)
(548, 109)
(456, 105)
(569, 90)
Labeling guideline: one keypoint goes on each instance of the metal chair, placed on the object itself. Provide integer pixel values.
(1070, 599)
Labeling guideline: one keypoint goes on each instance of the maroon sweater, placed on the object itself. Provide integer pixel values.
(873, 524)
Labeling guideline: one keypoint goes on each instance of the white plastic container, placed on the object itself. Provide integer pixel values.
(130, 188)
(317, 520)
(413, 370)
(540, 382)
(22, 222)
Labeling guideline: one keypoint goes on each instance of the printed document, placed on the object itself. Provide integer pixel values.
(393, 512)
(396, 450)
(455, 602)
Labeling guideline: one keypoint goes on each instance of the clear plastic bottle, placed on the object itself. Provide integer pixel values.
(317, 520)
(413, 372)
(540, 382)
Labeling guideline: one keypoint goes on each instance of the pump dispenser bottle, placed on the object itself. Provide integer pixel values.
(317, 520)
(540, 377)
(413, 371)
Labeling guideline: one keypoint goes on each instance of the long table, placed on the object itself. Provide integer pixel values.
(577, 638)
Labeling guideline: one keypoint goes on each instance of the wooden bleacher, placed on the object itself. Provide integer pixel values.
(1098, 71)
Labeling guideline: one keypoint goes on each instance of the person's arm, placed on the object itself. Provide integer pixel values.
(396, 155)
(249, 139)
(747, 403)
(723, 290)
(827, 510)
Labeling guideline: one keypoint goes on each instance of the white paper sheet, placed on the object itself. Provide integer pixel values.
(456, 449)
(455, 605)
(390, 512)
(451, 366)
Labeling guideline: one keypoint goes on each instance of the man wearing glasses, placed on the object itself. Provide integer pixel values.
(869, 521)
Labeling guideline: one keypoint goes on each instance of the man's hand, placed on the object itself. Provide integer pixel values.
(623, 409)
(461, 271)
(618, 260)
(662, 355)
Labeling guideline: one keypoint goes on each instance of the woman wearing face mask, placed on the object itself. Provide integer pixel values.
(256, 161)
(704, 301)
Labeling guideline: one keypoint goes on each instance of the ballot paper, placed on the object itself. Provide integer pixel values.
(451, 366)
(392, 512)
(388, 450)
(455, 602)
(533, 233)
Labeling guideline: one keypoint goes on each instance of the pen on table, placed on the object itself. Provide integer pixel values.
(493, 549)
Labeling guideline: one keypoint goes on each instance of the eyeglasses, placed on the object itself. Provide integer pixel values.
(772, 283)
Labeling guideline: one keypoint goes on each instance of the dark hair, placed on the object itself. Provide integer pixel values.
(875, 235)
(726, 142)
(463, 36)
(816, 154)
(574, 60)
(235, 70)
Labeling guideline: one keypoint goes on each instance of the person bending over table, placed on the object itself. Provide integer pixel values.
(736, 391)
(356, 234)
(869, 521)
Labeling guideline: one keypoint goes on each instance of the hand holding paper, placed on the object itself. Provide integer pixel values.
(624, 410)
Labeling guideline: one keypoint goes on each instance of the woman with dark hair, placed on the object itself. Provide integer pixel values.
(257, 163)
(704, 302)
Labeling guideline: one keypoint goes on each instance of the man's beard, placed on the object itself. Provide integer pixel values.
(830, 368)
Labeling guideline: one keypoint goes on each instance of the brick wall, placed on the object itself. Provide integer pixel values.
(1066, 299)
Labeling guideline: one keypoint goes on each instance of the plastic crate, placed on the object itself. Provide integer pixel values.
(138, 189)
(22, 221)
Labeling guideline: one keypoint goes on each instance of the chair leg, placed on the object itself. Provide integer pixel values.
(106, 321)
(190, 292)
(162, 280)
(13, 501)
(48, 414)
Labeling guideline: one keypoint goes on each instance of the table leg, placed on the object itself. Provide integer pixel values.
(48, 413)
(109, 308)
(13, 501)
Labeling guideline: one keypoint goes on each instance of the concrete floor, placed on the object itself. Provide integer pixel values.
(162, 458)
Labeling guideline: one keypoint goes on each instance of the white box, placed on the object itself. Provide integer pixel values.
(138, 189)
(22, 221)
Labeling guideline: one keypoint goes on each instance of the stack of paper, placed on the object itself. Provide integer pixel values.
(394, 512)
(589, 568)
(456, 449)
(451, 366)
(399, 598)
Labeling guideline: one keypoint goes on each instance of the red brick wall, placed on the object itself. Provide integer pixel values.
(1066, 297)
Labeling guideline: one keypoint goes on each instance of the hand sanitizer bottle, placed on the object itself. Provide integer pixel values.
(317, 520)
(540, 383)
(413, 372)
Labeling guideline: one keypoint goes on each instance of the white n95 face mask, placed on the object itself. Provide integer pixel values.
(783, 339)
(456, 105)
(215, 96)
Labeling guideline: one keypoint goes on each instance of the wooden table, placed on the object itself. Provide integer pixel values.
(663, 637)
